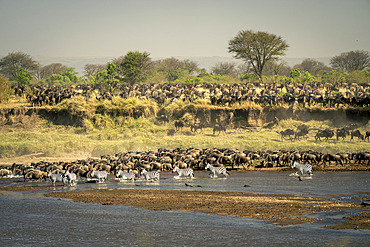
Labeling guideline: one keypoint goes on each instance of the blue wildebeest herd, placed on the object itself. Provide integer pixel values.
(303, 130)
(149, 164)
(333, 94)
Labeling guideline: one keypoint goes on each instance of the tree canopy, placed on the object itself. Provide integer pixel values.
(312, 66)
(351, 61)
(257, 48)
(134, 67)
(10, 64)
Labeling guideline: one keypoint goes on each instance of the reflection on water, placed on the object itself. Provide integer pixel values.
(36, 220)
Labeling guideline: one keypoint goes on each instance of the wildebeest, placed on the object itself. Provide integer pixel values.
(300, 133)
(179, 124)
(219, 127)
(34, 174)
(286, 133)
(367, 135)
(5, 173)
(196, 126)
(326, 133)
(343, 132)
(357, 133)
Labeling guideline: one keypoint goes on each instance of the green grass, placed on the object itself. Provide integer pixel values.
(123, 125)
(144, 134)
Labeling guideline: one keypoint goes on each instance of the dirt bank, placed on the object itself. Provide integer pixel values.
(275, 208)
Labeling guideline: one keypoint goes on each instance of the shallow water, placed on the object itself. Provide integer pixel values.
(28, 219)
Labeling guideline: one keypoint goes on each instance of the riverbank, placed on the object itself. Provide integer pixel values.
(274, 208)
(282, 209)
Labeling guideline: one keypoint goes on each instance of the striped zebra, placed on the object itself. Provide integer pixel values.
(54, 177)
(100, 175)
(188, 172)
(302, 168)
(150, 175)
(214, 171)
(121, 175)
(71, 178)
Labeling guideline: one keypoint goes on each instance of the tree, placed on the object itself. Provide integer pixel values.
(49, 70)
(257, 48)
(23, 77)
(312, 66)
(107, 78)
(135, 67)
(224, 69)
(351, 61)
(5, 89)
(173, 66)
(70, 73)
(275, 68)
(10, 64)
(93, 69)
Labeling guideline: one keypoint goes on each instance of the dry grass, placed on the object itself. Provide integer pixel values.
(121, 125)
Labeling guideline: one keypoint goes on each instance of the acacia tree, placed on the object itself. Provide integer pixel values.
(351, 61)
(10, 64)
(257, 48)
(135, 67)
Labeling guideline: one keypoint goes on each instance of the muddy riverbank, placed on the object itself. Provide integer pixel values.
(276, 208)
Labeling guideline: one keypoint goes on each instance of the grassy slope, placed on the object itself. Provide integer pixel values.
(34, 135)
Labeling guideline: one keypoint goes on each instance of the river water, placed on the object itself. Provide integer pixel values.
(29, 219)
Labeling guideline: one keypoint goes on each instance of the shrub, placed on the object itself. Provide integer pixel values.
(4, 89)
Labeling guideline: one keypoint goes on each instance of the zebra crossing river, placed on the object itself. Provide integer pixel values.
(28, 218)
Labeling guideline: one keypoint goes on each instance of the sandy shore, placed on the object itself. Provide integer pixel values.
(283, 209)
(275, 208)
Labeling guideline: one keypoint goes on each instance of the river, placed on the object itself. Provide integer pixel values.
(29, 219)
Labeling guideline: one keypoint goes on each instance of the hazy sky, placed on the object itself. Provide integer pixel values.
(166, 28)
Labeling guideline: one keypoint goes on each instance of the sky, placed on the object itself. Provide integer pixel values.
(173, 28)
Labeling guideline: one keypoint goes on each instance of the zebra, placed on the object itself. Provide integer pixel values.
(214, 171)
(100, 175)
(70, 178)
(150, 175)
(125, 175)
(302, 168)
(188, 172)
(57, 178)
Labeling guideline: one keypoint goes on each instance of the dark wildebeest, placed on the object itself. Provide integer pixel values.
(287, 132)
(343, 132)
(219, 127)
(196, 126)
(326, 133)
(357, 133)
(179, 124)
(367, 136)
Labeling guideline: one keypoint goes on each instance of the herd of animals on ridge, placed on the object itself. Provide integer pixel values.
(305, 94)
(150, 163)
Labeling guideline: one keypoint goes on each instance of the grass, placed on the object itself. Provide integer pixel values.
(122, 125)
(145, 134)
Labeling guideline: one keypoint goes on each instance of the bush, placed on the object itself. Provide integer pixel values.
(5, 89)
